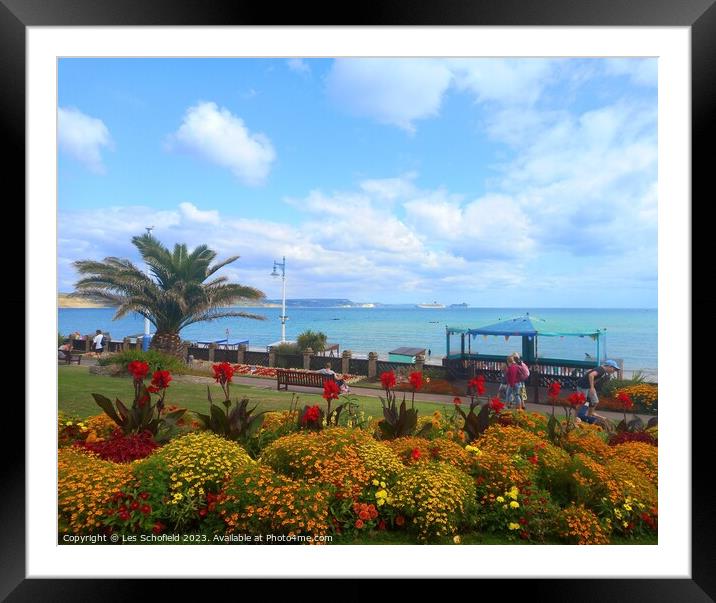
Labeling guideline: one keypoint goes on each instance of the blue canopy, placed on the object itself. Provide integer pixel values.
(524, 326)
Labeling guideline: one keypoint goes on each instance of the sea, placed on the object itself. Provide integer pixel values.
(631, 334)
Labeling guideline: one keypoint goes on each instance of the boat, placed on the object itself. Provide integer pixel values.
(433, 305)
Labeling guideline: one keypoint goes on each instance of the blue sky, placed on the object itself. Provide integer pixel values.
(496, 182)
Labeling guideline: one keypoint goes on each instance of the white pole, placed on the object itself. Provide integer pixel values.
(283, 305)
(145, 339)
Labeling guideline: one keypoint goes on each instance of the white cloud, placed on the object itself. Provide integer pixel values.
(640, 71)
(299, 66)
(391, 91)
(223, 138)
(83, 137)
(390, 189)
(509, 81)
(194, 214)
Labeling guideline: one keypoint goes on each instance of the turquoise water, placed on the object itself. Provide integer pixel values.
(631, 334)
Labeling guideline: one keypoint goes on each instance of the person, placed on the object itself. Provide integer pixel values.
(587, 385)
(515, 375)
(327, 370)
(98, 341)
(65, 350)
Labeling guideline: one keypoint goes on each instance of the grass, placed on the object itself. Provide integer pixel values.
(76, 386)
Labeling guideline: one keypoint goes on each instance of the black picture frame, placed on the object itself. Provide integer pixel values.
(699, 15)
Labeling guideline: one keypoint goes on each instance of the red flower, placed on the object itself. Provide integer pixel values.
(311, 415)
(161, 379)
(554, 388)
(331, 391)
(364, 515)
(359, 524)
(415, 454)
(477, 384)
(524, 535)
(153, 389)
(387, 379)
(124, 516)
(134, 506)
(381, 525)
(158, 527)
(146, 509)
(416, 380)
(399, 520)
(144, 495)
(625, 400)
(522, 521)
(456, 401)
(496, 405)
(223, 372)
(576, 399)
(138, 369)
(533, 459)
(202, 512)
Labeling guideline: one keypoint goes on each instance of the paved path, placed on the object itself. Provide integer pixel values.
(270, 384)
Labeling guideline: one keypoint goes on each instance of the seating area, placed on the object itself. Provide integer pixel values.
(286, 377)
(69, 357)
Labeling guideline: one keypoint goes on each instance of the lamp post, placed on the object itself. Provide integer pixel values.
(282, 266)
(145, 339)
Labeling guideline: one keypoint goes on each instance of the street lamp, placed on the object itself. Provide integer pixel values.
(283, 317)
(145, 339)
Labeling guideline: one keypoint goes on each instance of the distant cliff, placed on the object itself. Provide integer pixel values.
(65, 300)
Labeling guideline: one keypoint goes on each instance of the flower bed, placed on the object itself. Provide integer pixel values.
(520, 476)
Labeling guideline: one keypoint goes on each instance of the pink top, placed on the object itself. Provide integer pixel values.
(513, 375)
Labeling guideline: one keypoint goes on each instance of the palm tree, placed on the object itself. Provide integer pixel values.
(177, 295)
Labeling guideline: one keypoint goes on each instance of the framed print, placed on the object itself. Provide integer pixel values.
(377, 187)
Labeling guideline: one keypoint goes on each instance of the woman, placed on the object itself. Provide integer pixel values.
(515, 391)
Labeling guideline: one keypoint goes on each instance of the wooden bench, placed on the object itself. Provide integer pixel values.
(286, 377)
(69, 357)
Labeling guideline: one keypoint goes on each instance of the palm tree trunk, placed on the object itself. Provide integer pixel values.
(169, 343)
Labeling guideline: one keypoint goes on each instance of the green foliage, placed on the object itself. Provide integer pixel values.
(475, 423)
(399, 421)
(314, 340)
(142, 416)
(236, 424)
(612, 386)
(60, 339)
(157, 361)
(286, 349)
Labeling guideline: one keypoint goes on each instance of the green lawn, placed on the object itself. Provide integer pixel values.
(76, 386)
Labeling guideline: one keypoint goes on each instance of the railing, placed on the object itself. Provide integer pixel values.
(289, 361)
(398, 367)
(257, 358)
(358, 366)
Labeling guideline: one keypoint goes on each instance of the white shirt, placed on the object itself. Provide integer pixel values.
(98, 341)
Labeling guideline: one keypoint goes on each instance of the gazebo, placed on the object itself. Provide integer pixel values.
(467, 362)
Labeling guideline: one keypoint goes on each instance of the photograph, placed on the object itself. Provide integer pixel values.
(352, 301)
(396, 297)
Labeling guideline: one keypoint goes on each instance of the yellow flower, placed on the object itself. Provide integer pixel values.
(500, 499)
(618, 513)
(375, 482)
(513, 526)
(514, 504)
(627, 507)
(625, 524)
(382, 484)
(457, 539)
(68, 423)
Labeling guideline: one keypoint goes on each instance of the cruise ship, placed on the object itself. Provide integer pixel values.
(433, 305)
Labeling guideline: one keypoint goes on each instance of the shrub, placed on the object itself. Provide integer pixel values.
(579, 525)
(286, 349)
(534, 422)
(257, 500)
(157, 361)
(642, 455)
(121, 448)
(527, 513)
(630, 517)
(316, 340)
(70, 430)
(588, 442)
(85, 485)
(622, 437)
(438, 498)
(179, 476)
(348, 459)
(440, 449)
(496, 471)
